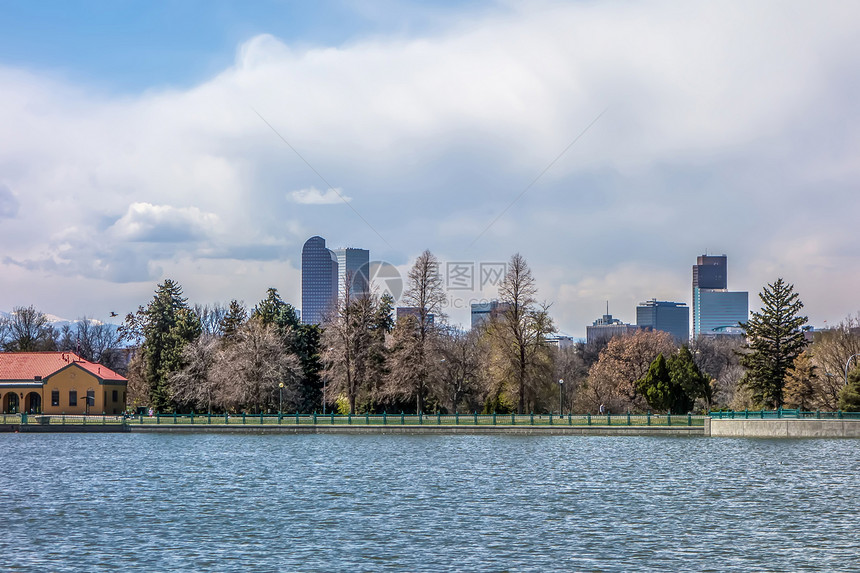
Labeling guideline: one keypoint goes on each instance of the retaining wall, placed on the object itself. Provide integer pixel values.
(782, 428)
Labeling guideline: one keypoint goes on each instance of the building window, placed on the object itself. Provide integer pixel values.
(73, 397)
(55, 397)
(115, 395)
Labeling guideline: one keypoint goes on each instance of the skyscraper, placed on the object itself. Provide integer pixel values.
(353, 265)
(671, 317)
(716, 310)
(319, 281)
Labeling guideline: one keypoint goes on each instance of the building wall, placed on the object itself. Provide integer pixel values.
(319, 280)
(671, 317)
(353, 263)
(715, 310)
(64, 382)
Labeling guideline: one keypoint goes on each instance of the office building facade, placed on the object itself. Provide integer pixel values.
(483, 312)
(716, 310)
(319, 281)
(607, 327)
(353, 265)
(671, 317)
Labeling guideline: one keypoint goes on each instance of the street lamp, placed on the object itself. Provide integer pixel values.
(847, 362)
(560, 396)
(280, 398)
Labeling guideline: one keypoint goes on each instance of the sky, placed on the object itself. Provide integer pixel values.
(609, 143)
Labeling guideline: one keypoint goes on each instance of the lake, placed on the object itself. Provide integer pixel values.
(229, 502)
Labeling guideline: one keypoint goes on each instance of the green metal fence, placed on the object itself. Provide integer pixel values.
(384, 419)
(784, 413)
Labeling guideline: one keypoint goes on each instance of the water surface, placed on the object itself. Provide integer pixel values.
(214, 502)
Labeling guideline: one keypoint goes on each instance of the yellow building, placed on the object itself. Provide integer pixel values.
(58, 383)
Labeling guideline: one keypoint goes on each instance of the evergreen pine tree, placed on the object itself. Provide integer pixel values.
(849, 396)
(687, 376)
(234, 319)
(169, 324)
(774, 341)
(656, 386)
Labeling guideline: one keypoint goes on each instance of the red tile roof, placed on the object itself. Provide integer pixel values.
(15, 366)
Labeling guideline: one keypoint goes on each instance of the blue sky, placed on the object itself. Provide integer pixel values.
(128, 46)
(131, 148)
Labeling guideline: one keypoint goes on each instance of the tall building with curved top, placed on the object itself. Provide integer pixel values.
(319, 281)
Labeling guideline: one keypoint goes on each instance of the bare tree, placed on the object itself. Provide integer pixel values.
(211, 317)
(830, 351)
(28, 330)
(626, 359)
(519, 334)
(248, 372)
(353, 338)
(194, 386)
(719, 358)
(425, 294)
(460, 369)
(94, 341)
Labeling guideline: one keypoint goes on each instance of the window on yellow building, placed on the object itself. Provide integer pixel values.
(55, 397)
(115, 395)
(73, 397)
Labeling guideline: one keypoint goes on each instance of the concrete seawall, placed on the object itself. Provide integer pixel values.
(782, 428)
(430, 430)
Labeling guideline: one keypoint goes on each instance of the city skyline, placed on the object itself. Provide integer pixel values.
(607, 143)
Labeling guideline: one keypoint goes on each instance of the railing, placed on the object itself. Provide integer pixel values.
(384, 419)
(783, 413)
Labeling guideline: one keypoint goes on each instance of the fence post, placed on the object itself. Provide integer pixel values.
(589, 418)
(280, 415)
(628, 417)
(494, 417)
(689, 419)
(244, 415)
(402, 419)
(297, 418)
(532, 419)
(456, 418)
(669, 418)
(209, 420)
(192, 417)
(384, 418)
(550, 418)
(315, 417)
(226, 417)
(332, 418)
(261, 417)
(818, 414)
(439, 418)
(23, 418)
(513, 419)
(648, 416)
(608, 419)
(839, 414)
(85, 419)
(476, 417)
(174, 416)
(569, 420)
(103, 418)
(349, 419)
(420, 418)
(367, 418)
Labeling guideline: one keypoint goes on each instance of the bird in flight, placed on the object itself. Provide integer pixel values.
(112, 313)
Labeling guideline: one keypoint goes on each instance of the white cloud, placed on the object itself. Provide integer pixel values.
(730, 127)
(145, 222)
(313, 196)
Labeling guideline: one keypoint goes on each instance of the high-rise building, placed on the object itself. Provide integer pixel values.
(716, 310)
(607, 327)
(710, 271)
(719, 312)
(482, 312)
(353, 265)
(671, 317)
(319, 281)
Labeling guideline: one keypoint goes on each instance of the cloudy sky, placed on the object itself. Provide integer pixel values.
(206, 141)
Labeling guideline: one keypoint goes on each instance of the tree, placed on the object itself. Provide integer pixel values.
(625, 360)
(194, 386)
(849, 396)
(719, 358)
(233, 320)
(675, 384)
(210, 317)
(830, 351)
(802, 384)
(459, 367)
(425, 293)
(302, 340)
(774, 340)
(249, 371)
(167, 325)
(519, 335)
(28, 330)
(94, 341)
